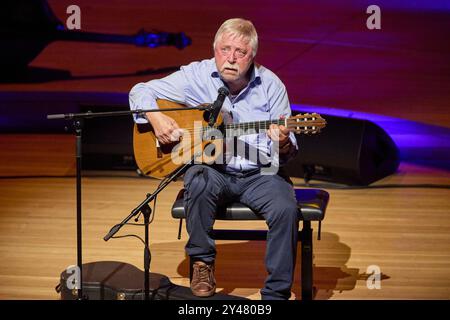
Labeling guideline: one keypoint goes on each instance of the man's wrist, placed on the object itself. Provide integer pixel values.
(150, 116)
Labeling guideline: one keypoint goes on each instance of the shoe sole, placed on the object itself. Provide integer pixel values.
(204, 294)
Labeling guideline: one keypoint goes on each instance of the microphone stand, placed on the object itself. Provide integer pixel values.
(146, 211)
(78, 121)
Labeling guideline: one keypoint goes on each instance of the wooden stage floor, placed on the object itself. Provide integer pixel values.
(403, 231)
(325, 55)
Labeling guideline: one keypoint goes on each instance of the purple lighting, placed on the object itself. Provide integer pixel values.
(417, 142)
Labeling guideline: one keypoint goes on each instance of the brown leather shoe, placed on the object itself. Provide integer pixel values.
(203, 283)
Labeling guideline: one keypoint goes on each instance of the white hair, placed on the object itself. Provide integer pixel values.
(239, 27)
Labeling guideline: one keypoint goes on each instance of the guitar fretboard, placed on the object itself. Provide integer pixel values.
(257, 125)
(239, 129)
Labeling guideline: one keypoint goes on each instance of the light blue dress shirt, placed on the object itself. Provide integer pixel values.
(264, 98)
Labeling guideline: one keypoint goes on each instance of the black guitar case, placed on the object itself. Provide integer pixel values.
(113, 280)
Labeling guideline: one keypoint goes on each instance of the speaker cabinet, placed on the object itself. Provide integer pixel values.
(107, 142)
(347, 151)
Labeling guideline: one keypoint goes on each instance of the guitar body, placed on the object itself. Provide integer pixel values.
(158, 162)
(200, 142)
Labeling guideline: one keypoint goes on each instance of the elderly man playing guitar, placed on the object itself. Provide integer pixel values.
(255, 93)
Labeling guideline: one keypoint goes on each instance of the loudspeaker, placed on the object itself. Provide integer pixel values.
(348, 151)
(107, 142)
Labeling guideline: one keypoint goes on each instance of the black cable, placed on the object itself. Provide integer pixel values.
(137, 218)
(152, 216)
(154, 201)
(153, 211)
(129, 235)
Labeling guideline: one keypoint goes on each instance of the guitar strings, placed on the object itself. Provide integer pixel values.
(309, 127)
(260, 125)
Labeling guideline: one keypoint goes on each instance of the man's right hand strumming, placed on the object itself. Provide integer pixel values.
(166, 129)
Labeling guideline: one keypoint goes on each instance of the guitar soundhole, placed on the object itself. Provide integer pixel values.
(167, 148)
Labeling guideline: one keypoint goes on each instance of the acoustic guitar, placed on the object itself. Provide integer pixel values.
(200, 141)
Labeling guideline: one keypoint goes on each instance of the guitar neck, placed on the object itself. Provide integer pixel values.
(238, 129)
(93, 37)
(141, 39)
(256, 125)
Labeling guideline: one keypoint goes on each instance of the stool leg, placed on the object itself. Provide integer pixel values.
(307, 262)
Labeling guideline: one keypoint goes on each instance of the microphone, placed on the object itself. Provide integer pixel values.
(217, 105)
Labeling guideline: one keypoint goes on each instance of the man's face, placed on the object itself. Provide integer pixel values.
(233, 56)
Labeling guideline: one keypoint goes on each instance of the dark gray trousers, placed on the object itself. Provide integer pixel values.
(270, 195)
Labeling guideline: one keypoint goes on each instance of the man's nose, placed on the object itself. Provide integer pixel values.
(231, 57)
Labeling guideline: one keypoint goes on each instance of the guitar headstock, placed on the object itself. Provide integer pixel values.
(307, 123)
(156, 39)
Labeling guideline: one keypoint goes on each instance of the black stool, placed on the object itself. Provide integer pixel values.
(312, 204)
